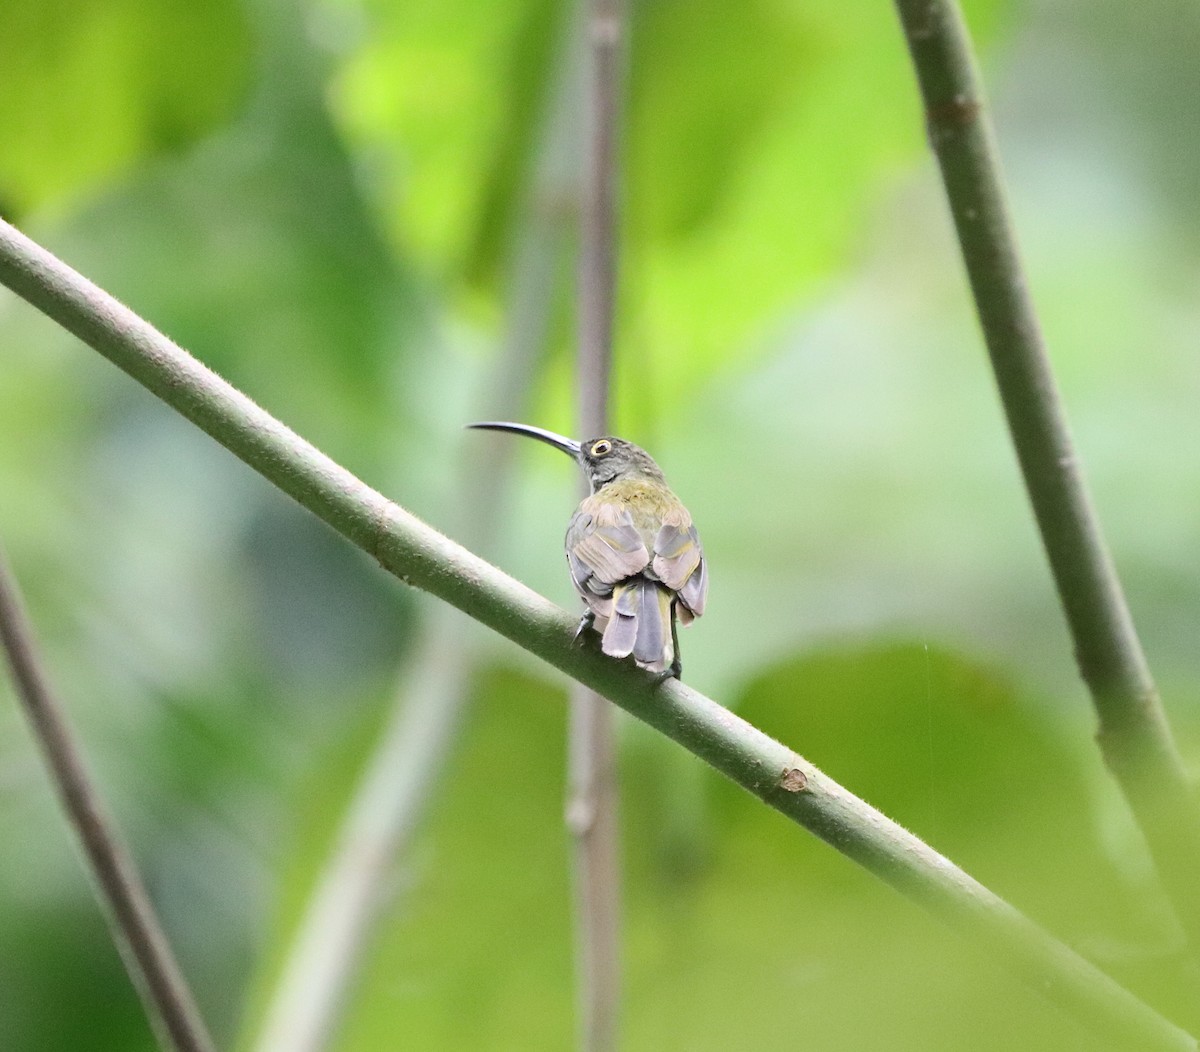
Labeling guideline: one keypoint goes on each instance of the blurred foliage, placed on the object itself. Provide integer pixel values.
(321, 201)
(735, 924)
(727, 118)
(88, 88)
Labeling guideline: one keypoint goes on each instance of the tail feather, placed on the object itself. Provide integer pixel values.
(620, 635)
(641, 624)
(653, 647)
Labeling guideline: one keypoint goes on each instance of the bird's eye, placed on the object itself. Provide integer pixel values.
(601, 447)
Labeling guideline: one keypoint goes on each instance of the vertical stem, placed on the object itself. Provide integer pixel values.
(591, 817)
(598, 257)
(591, 811)
(135, 927)
(1134, 736)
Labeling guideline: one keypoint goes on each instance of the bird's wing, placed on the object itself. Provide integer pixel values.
(603, 547)
(679, 562)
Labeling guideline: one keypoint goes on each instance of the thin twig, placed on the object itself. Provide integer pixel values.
(394, 792)
(131, 918)
(1134, 736)
(592, 793)
(424, 558)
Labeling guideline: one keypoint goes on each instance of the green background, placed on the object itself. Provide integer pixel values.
(324, 202)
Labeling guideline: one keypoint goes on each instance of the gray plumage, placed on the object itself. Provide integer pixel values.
(634, 556)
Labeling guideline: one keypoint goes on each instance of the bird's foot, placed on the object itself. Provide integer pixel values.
(587, 621)
(674, 672)
(676, 668)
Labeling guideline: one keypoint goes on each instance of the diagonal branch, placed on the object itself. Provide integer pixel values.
(592, 793)
(424, 558)
(1134, 736)
(135, 927)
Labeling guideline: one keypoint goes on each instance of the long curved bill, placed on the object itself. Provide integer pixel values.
(567, 445)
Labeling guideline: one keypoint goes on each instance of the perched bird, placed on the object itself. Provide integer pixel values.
(634, 555)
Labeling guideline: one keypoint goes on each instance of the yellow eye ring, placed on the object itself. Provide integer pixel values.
(601, 447)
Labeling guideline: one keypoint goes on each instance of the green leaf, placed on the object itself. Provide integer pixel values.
(445, 97)
(757, 145)
(483, 899)
(88, 90)
(257, 252)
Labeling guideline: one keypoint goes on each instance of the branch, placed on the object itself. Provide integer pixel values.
(395, 788)
(1134, 736)
(135, 927)
(592, 793)
(424, 558)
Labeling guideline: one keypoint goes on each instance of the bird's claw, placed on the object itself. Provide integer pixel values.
(674, 672)
(585, 622)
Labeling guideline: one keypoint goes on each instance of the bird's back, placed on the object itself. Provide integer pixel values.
(633, 552)
(648, 503)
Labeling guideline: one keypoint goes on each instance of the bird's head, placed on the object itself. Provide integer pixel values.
(604, 460)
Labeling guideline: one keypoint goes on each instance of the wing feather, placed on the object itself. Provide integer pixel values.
(621, 633)
(679, 563)
(604, 547)
(677, 553)
(694, 593)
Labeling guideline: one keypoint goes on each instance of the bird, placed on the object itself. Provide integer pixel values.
(633, 553)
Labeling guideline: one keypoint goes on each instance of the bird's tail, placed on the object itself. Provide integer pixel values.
(641, 624)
